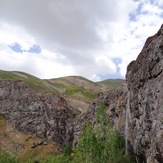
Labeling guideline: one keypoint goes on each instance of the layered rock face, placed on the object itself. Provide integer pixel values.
(136, 109)
(145, 94)
(44, 115)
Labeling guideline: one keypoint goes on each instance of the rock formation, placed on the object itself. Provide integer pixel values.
(136, 109)
(145, 83)
(44, 115)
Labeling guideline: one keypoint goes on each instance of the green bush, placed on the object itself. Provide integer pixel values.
(100, 144)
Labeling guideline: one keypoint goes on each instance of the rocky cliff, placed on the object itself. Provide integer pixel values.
(145, 94)
(136, 109)
(44, 115)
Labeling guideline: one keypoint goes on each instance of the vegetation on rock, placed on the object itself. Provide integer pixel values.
(98, 143)
(101, 143)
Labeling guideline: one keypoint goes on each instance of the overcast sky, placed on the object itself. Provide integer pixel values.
(95, 39)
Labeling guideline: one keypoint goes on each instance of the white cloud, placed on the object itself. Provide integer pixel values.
(128, 40)
(11, 33)
(76, 37)
(42, 65)
(151, 9)
(159, 3)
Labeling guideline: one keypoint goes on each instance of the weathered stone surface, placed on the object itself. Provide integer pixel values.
(45, 115)
(145, 83)
(136, 109)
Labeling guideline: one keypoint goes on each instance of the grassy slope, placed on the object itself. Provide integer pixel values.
(71, 86)
(76, 87)
(112, 83)
(34, 82)
(78, 91)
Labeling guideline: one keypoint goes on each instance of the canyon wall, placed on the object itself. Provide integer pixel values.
(44, 115)
(145, 94)
(136, 109)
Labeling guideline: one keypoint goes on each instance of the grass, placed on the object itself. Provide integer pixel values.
(112, 83)
(5, 157)
(26, 154)
(34, 82)
(71, 86)
(57, 85)
(82, 78)
(86, 93)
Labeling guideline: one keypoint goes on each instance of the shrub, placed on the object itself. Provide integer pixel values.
(100, 144)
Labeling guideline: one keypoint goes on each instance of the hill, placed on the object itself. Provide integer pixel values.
(112, 83)
(78, 91)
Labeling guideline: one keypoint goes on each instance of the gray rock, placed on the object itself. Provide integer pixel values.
(138, 103)
(44, 115)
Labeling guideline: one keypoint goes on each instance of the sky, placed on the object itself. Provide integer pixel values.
(95, 39)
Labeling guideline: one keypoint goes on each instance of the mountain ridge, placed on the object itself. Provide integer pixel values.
(76, 87)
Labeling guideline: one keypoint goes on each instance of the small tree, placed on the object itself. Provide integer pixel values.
(100, 143)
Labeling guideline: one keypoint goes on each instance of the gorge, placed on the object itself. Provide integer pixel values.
(135, 109)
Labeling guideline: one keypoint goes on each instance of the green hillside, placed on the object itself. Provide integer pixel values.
(112, 83)
(76, 87)
(73, 87)
(34, 82)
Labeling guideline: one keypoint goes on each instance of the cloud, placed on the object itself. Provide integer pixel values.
(69, 24)
(75, 37)
(38, 65)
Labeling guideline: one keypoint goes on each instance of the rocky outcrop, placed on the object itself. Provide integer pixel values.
(145, 83)
(136, 109)
(115, 102)
(44, 115)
